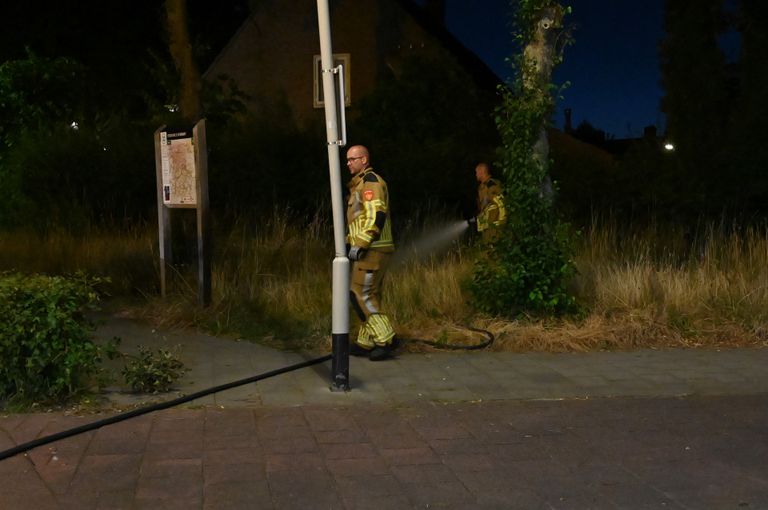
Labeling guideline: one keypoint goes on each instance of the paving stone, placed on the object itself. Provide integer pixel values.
(123, 437)
(233, 454)
(313, 489)
(220, 473)
(21, 488)
(409, 456)
(172, 502)
(469, 461)
(439, 495)
(223, 441)
(114, 500)
(367, 485)
(396, 440)
(357, 467)
(179, 449)
(422, 474)
(367, 502)
(294, 462)
(348, 450)
(237, 495)
(69, 501)
(290, 445)
(458, 445)
(106, 473)
(184, 487)
(166, 468)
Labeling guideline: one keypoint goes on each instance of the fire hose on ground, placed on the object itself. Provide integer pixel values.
(203, 393)
(155, 407)
(489, 338)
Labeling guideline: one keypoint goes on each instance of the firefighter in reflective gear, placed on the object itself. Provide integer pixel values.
(491, 213)
(369, 235)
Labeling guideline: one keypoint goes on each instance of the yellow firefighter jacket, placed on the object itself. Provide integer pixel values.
(490, 205)
(368, 224)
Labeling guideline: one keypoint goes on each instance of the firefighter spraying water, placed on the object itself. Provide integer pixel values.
(491, 213)
(491, 216)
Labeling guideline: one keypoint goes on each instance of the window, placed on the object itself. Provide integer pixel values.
(338, 58)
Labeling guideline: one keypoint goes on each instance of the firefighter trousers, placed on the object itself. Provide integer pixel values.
(365, 292)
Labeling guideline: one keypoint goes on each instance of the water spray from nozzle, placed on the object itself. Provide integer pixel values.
(439, 240)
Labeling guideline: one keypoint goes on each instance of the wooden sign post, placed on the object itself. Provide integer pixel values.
(181, 161)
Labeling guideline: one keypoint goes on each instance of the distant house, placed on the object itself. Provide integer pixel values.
(274, 56)
(617, 147)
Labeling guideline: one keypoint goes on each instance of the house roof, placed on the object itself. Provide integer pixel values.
(482, 74)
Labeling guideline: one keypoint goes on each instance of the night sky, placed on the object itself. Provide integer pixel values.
(613, 65)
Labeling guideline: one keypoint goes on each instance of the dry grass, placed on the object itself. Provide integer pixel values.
(658, 289)
(128, 257)
(655, 288)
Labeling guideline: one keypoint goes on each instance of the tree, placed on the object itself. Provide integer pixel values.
(696, 101)
(37, 96)
(36, 92)
(746, 143)
(180, 48)
(528, 268)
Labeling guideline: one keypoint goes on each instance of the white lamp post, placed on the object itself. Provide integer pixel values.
(340, 317)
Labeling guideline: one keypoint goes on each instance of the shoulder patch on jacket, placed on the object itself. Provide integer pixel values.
(370, 177)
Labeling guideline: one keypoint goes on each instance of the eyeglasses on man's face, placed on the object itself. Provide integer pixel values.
(350, 160)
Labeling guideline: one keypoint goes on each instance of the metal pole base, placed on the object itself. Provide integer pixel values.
(340, 362)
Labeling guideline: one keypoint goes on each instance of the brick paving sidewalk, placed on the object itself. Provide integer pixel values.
(674, 453)
(461, 430)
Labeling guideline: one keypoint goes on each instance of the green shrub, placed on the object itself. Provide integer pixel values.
(46, 352)
(153, 373)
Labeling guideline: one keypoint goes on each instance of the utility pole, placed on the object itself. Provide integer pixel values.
(340, 317)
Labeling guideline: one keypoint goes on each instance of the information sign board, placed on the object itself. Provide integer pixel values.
(177, 153)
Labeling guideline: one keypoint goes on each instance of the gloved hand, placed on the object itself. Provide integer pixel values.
(357, 253)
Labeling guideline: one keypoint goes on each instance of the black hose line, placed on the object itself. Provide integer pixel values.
(155, 407)
(489, 338)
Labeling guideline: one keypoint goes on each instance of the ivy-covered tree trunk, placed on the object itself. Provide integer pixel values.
(541, 55)
(528, 267)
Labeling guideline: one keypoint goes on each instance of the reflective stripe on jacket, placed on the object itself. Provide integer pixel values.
(368, 224)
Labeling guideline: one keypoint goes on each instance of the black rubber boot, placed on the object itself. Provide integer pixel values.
(382, 352)
(356, 350)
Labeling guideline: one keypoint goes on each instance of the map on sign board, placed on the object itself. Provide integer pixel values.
(177, 152)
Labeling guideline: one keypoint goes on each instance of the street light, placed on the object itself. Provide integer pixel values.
(669, 146)
(340, 276)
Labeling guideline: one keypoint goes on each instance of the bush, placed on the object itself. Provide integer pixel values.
(45, 344)
(153, 373)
